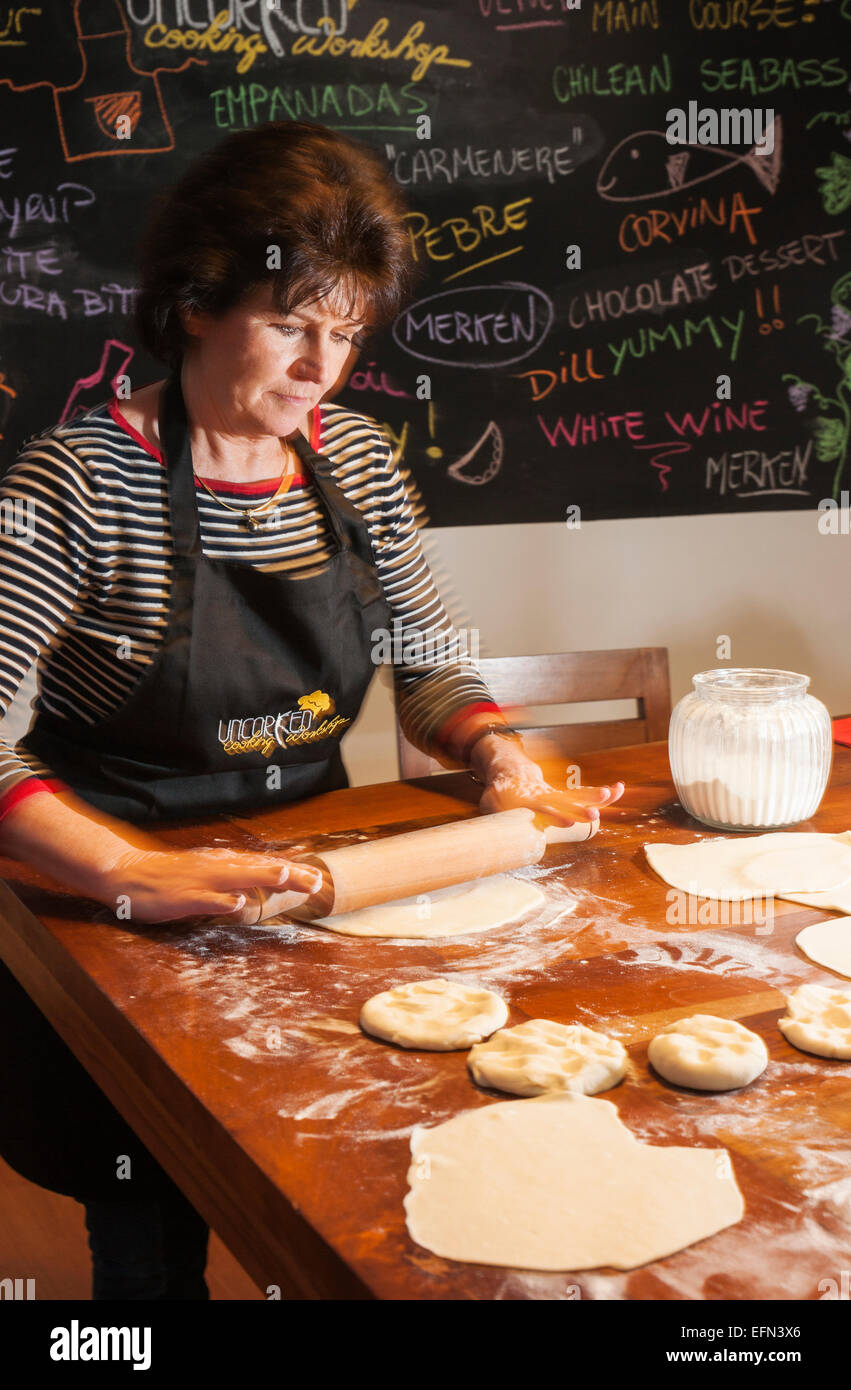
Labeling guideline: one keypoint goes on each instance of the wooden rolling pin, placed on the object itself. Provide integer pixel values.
(421, 861)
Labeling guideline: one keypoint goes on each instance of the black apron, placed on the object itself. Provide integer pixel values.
(243, 707)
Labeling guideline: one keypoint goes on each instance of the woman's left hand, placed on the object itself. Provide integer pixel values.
(512, 779)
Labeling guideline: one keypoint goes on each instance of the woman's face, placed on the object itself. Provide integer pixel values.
(257, 372)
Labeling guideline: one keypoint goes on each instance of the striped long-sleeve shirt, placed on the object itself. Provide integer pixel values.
(85, 571)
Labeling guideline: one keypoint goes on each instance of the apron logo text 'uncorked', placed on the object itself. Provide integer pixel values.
(261, 733)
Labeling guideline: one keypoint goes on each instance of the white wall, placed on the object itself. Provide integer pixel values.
(777, 587)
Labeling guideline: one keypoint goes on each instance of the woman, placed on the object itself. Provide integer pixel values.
(212, 559)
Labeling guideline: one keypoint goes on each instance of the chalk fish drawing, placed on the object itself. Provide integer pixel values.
(642, 166)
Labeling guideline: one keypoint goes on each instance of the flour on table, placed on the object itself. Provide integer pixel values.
(542, 1055)
(463, 907)
(828, 944)
(708, 1053)
(818, 1020)
(437, 1015)
(719, 868)
(560, 1183)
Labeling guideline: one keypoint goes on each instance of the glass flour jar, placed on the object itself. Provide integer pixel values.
(750, 749)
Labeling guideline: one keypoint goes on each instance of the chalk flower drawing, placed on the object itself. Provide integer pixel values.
(831, 427)
(836, 183)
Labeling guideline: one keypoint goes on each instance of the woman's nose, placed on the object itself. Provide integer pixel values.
(317, 361)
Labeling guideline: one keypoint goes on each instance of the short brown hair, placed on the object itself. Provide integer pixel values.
(326, 200)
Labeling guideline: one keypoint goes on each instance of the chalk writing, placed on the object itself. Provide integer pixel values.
(459, 163)
(374, 45)
(743, 14)
(616, 80)
(762, 474)
(814, 249)
(219, 37)
(546, 14)
(461, 235)
(476, 326)
(664, 224)
(651, 296)
(18, 211)
(615, 16)
(682, 336)
(13, 33)
(343, 105)
(542, 380)
(765, 75)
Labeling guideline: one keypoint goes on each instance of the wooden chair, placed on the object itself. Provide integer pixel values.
(560, 678)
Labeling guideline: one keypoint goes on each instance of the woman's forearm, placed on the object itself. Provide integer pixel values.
(119, 865)
(65, 838)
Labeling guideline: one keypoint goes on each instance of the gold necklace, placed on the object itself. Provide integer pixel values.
(252, 516)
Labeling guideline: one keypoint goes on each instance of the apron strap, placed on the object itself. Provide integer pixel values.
(342, 516)
(183, 506)
(177, 456)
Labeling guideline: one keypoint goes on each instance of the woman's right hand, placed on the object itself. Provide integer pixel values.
(166, 885)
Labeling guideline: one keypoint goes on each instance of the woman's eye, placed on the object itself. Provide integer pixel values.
(356, 340)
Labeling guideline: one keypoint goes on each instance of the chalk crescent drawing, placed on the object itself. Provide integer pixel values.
(494, 433)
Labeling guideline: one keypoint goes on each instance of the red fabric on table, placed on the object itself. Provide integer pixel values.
(842, 732)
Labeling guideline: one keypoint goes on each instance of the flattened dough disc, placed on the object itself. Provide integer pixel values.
(828, 944)
(815, 868)
(835, 900)
(464, 907)
(716, 868)
(559, 1182)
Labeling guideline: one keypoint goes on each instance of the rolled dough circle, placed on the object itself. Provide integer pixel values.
(708, 1053)
(815, 868)
(439, 1015)
(543, 1056)
(818, 1019)
(828, 944)
(559, 1182)
(716, 868)
(482, 905)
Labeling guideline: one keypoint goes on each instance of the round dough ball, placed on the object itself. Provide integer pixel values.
(438, 1015)
(708, 1053)
(818, 1020)
(542, 1056)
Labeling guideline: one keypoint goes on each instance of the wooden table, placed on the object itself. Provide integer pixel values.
(237, 1056)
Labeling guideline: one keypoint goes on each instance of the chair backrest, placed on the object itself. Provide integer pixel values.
(560, 678)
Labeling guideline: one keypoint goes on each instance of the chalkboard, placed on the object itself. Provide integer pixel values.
(587, 285)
